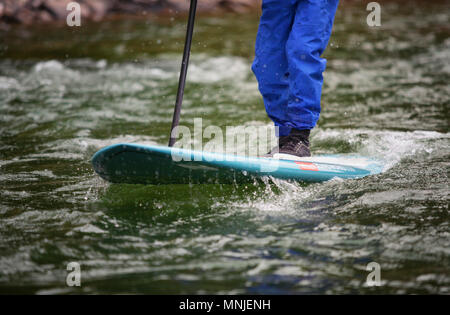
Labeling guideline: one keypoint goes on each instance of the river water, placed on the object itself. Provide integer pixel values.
(67, 92)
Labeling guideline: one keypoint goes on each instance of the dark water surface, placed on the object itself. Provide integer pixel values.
(65, 93)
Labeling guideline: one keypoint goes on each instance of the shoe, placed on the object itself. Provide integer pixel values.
(296, 144)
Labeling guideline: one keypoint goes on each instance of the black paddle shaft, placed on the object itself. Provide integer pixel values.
(183, 72)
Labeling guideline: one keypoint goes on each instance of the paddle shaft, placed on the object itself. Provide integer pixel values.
(183, 72)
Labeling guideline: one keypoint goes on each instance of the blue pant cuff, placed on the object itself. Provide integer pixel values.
(282, 131)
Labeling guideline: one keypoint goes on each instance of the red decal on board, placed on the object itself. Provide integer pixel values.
(305, 166)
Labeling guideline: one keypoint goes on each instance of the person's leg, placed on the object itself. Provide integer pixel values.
(308, 39)
(270, 65)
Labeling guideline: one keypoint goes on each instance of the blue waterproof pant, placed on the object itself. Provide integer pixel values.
(292, 36)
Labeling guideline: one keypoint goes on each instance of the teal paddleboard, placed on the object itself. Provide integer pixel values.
(149, 164)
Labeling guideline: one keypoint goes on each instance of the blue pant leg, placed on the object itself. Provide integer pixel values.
(270, 65)
(307, 41)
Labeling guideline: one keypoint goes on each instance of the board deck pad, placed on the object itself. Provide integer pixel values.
(149, 164)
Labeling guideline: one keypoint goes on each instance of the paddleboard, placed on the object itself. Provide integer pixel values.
(149, 164)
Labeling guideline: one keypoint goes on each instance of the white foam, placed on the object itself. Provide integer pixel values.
(388, 146)
(8, 83)
(218, 69)
(51, 65)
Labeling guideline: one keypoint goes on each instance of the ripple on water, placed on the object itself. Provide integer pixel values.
(384, 98)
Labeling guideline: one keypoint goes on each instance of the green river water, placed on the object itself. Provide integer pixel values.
(67, 92)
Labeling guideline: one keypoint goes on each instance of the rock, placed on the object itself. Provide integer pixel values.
(239, 6)
(31, 11)
(58, 8)
(24, 16)
(44, 16)
(98, 9)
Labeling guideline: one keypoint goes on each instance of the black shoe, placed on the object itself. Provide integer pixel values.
(297, 144)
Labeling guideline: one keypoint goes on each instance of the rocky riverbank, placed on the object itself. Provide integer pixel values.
(36, 11)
